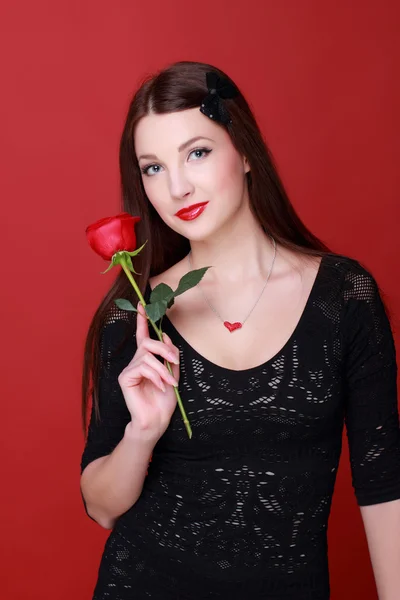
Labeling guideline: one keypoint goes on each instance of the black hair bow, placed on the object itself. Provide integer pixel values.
(218, 89)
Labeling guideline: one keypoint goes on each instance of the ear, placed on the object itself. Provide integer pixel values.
(246, 165)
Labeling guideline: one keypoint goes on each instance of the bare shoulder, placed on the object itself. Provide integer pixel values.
(292, 263)
(171, 276)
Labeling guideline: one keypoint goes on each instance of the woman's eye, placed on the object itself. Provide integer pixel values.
(198, 152)
(201, 151)
(146, 170)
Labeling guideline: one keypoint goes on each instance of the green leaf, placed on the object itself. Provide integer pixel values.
(170, 302)
(162, 293)
(124, 304)
(156, 310)
(190, 280)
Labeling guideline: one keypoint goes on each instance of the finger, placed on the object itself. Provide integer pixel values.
(149, 373)
(156, 347)
(175, 365)
(175, 371)
(160, 368)
(142, 327)
(171, 345)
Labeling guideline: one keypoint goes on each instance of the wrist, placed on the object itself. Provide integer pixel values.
(140, 435)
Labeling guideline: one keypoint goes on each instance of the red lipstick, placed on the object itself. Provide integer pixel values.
(191, 212)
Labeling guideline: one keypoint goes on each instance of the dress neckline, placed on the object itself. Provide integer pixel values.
(168, 327)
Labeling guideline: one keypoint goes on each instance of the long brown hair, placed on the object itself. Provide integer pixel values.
(178, 87)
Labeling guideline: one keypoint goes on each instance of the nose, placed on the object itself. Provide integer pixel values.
(179, 184)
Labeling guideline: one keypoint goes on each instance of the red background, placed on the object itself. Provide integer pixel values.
(322, 78)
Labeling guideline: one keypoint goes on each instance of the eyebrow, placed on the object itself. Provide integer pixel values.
(181, 147)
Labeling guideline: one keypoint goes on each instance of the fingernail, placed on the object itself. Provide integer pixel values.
(173, 358)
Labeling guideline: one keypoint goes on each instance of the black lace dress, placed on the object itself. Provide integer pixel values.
(241, 510)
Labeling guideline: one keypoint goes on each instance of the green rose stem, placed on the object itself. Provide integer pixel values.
(122, 262)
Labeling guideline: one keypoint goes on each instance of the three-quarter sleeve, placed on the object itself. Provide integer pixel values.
(104, 435)
(371, 405)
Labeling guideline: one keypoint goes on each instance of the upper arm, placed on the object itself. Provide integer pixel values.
(105, 433)
(372, 414)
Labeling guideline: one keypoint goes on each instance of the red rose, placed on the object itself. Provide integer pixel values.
(114, 239)
(113, 234)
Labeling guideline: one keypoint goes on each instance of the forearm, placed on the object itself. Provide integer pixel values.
(382, 528)
(112, 484)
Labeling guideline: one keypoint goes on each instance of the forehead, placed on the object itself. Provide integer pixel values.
(155, 133)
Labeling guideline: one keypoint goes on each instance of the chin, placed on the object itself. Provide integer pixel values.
(204, 232)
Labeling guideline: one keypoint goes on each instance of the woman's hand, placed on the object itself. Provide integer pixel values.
(147, 384)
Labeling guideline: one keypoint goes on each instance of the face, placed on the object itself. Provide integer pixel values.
(185, 158)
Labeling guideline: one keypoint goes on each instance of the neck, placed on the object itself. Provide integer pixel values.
(234, 259)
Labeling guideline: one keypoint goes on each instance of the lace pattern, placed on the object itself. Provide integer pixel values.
(242, 508)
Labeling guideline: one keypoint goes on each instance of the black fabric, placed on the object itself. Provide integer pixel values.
(241, 510)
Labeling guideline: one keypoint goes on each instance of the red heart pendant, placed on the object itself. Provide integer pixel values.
(232, 326)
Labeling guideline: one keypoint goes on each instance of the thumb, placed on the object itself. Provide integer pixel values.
(142, 327)
(174, 367)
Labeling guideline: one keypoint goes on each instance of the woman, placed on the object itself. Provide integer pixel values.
(280, 344)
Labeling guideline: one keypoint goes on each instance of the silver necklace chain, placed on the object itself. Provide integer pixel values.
(256, 302)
